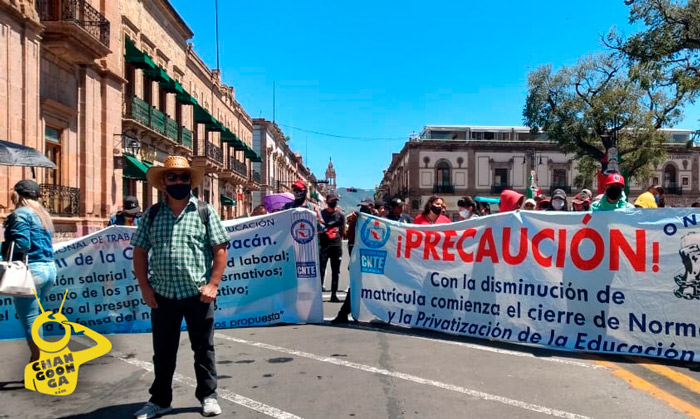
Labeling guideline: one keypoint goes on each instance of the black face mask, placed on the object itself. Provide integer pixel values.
(614, 193)
(178, 191)
(299, 196)
(333, 204)
(365, 210)
(436, 210)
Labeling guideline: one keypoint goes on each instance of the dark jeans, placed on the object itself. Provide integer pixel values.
(334, 253)
(166, 321)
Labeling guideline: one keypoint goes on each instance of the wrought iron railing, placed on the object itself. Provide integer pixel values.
(239, 167)
(61, 201)
(186, 137)
(673, 189)
(79, 12)
(443, 189)
(214, 152)
(496, 189)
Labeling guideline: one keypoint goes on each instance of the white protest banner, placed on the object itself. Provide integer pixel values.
(262, 283)
(610, 282)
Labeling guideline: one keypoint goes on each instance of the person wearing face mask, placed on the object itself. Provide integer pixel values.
(300, 191)
(467, 208)
(187, 243)
(396, 212)
(432, 212)
(614, 197)
(331, 242)
(558, 202)
(648, 199)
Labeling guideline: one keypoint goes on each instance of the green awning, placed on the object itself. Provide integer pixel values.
(134, 168)
(185, 98)
(158, 74)
(227, 201)
(203, 117)
(229, 137)
(216, 126)
(172, 86)
(137, 57)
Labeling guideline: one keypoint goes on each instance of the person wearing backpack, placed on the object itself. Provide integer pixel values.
(188, 255)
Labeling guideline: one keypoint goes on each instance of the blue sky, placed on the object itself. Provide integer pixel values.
(378, 70)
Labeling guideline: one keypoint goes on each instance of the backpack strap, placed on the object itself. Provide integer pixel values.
(203, 209)
(153, 212)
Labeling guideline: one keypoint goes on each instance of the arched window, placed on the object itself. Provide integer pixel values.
(442, 176)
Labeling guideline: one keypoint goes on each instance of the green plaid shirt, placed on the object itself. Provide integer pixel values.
(181, 255)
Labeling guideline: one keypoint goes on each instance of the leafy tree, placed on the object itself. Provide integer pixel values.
(670, 43)
(600, 103)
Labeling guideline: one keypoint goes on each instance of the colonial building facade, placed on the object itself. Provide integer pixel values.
(280, 166)
(106, 89)
(461, 160)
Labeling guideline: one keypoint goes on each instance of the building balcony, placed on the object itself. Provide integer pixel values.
(209, 156)
(145, 120)
(239, 167)
(214, 152)
(185, 138)
(61, 201)
(566, 189)
(497, 189)
(673, 189)
(74, 30)
(235, 171)
(443, 189)
(171, 128)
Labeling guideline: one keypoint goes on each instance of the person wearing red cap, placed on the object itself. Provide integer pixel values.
(299, 190)
(614, 197)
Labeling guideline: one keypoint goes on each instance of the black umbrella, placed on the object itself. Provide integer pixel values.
(12, 154)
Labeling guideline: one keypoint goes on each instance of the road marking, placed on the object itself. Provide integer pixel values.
(221, 392)
(647, 387)
(409, 377)
(484, 348)
(673, 375)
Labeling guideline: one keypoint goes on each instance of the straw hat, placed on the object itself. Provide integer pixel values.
(154, 175)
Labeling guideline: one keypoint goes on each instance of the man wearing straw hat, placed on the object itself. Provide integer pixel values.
(188, 255)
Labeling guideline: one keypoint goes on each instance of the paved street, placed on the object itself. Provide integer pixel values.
(366, 371)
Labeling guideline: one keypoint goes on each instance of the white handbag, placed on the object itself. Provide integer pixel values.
(15, 278)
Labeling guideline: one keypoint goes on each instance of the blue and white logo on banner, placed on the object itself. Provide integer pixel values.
(374, 233)
(303, 231)
(372, 261)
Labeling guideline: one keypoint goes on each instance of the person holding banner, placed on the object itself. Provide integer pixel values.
(188, 256)
(331, 242)
(28, 230)
(614, 197)
(432, 212)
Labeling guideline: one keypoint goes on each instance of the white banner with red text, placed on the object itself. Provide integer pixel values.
(611, 282)
(271, 277)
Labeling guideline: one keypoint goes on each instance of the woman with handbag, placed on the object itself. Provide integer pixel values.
(28, 231)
